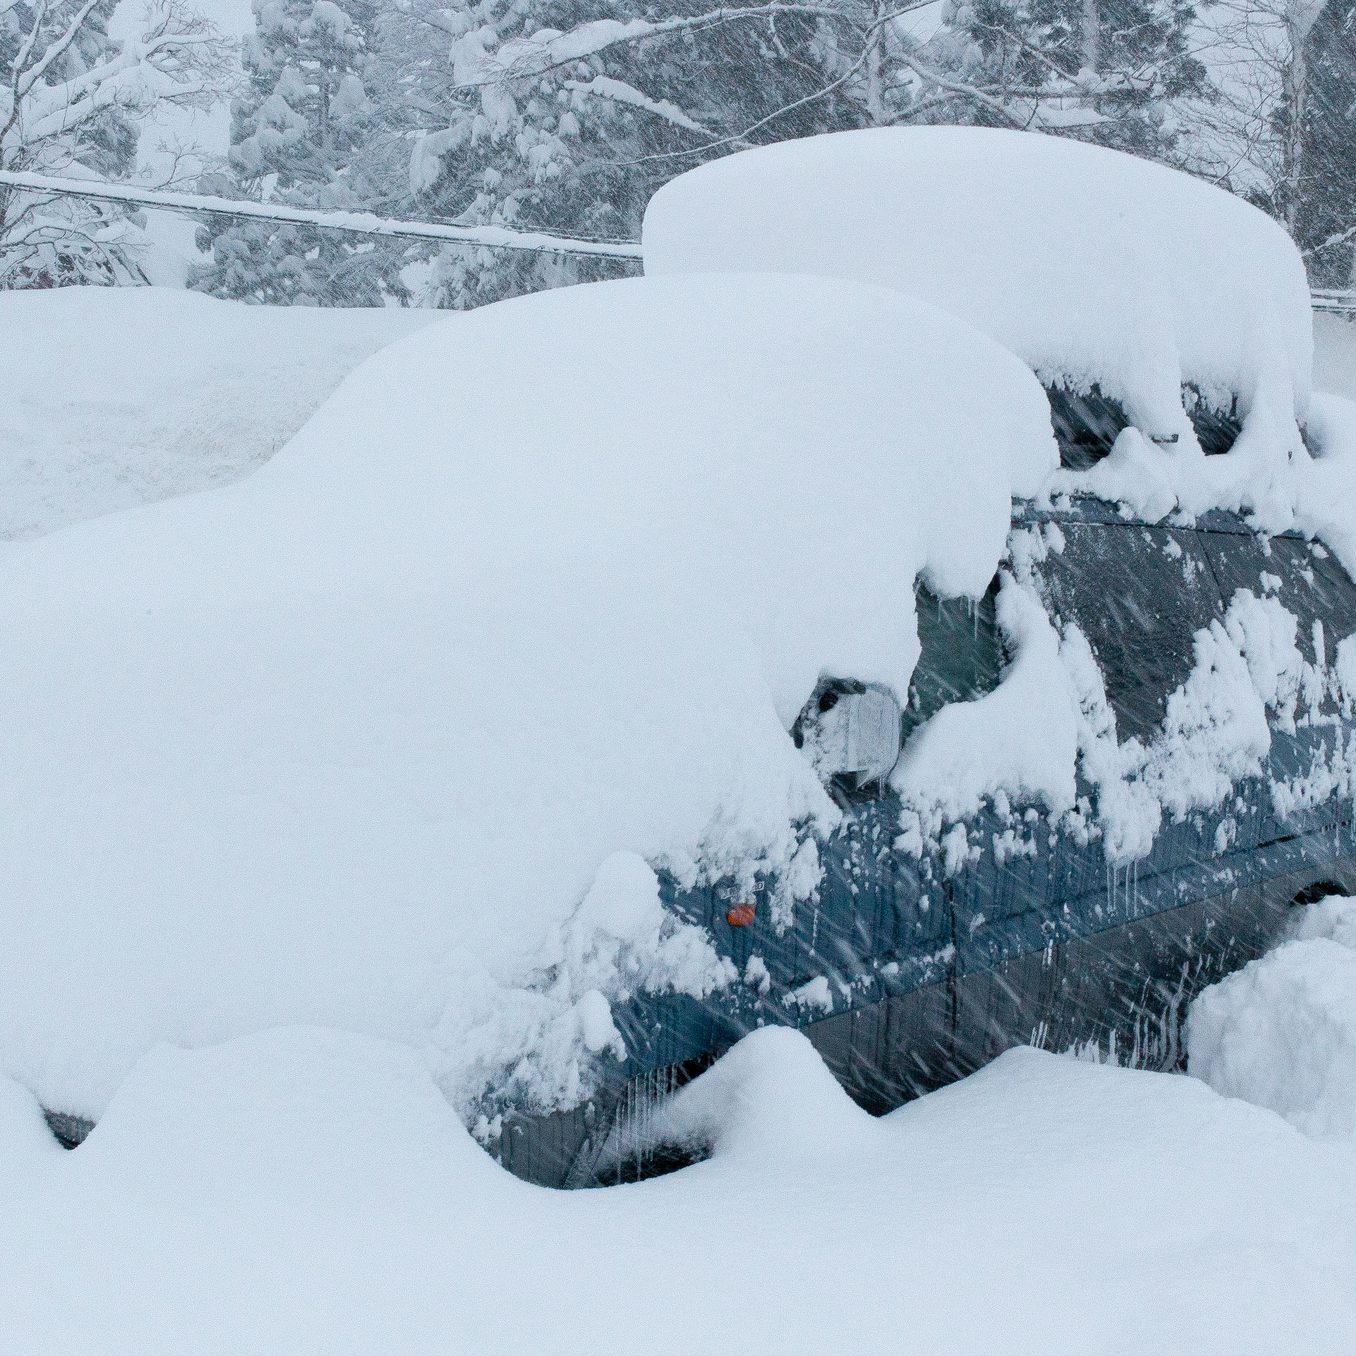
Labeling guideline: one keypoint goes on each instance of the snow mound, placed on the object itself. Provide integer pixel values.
(1332, 919)
(116, 396)
(771, 1096)
(348, 741)
(1282, 1031)
(1095, 267)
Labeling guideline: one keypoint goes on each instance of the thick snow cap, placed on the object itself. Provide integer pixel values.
(348, 742)
(1093, 266)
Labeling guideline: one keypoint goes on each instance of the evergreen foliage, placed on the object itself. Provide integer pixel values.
(1329, 188)
(302, 136)
(566, 115)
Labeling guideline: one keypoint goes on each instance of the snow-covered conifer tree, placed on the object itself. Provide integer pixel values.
(1105, 71)
(305, 134)
(566, 115)
(1327, 216)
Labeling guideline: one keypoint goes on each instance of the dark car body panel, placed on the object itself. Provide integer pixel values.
(933, 969)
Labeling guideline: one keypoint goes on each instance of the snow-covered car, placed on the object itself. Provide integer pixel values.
(607, 672)
(923, 955)
(1180, 606)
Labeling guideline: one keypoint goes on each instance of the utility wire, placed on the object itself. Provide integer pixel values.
(357, 223)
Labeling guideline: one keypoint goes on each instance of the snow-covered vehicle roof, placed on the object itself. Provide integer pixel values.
(384, 735)
(1099, 269)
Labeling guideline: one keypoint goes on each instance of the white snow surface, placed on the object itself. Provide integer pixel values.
(1095, 267)
(306, 1191)
(1335, 354)
(117, 396)
(349, 740)
(1282, 1031)
(1091, 265)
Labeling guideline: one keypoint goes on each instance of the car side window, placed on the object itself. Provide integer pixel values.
(1086, 423)
(960, 654)
(1304, 577)
(1139, 595)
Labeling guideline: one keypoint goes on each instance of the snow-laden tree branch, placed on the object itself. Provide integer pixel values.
(606, 87)
(876, 43)
(549, 49)
(71, 101)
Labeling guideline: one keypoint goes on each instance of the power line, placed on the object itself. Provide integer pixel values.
(356, 223)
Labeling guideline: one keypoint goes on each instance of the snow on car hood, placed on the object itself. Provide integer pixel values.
(537, 592)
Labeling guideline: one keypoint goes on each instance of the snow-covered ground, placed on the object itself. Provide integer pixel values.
(306, 1191)
(121, 396)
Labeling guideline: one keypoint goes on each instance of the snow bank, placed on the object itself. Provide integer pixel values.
(307, 1191)
(1332, 919)
(1282, 1031)
(348, 741)
(118, 396)
(769, 1097)
(1093, 266)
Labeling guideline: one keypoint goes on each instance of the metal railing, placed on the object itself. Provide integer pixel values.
(1338, 301)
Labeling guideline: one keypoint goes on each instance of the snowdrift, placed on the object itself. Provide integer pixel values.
(349, 741)
(1282, 1031)
(116, 396)
(310, 1191)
